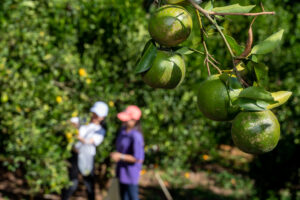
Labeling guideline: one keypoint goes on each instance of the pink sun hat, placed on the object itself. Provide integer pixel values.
(131, 112)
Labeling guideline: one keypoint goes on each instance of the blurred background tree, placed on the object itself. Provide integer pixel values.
(58, 57)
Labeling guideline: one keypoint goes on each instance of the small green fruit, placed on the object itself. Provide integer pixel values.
(170, 25)
(167, 71)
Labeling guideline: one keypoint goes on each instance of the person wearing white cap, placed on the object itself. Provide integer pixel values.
(89, 137)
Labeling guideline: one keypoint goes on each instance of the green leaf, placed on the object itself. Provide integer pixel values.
(219, 17)
(237, 49)
(234, 94)
(254, 58)
(151, 41)
(268, 44)
(259, 72)
(235, 8)
(281, 97)
(233, 87)
(255, 84)
(252, 105)
(257, 93)
(208, 6)
(148, 56)
(185, 51)
(30, 4)
(230, 82)
(262, 104)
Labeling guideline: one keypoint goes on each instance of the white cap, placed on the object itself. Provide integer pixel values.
(100, 109)
(75, 120)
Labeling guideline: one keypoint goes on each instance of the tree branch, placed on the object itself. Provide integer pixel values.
(207, 15)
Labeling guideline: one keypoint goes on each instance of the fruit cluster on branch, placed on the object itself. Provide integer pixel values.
(236, 95)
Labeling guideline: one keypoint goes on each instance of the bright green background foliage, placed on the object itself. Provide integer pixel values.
(44, 44)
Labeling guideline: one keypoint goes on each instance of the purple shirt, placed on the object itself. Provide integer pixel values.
(130, 143)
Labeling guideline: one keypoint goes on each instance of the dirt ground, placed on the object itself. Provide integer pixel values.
(12, 187)
(199, 186)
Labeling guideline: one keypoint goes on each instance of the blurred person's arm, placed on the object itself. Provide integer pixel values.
(116, 157)
(82, 131)
(138, 153)
(96, 140)
(98, 137)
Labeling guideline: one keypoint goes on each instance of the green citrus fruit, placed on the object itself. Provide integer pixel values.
(174, 1)
(167, 70)
(255, 132)
(214, 100)
(181, 2)
(170, 25)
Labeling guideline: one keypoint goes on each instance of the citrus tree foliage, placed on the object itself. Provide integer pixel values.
(58, 57)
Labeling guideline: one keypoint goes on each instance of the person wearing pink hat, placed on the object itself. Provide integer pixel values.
(130, 152)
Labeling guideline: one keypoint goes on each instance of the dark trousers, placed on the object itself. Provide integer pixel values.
(129, 191)
(73, 175)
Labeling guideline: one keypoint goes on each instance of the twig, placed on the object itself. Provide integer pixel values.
(244, 83)
(203, 32)
(206, 57)
(241, 58)
(242, 14)
(207, 60)
(215, 66)
(213, 59)
(163, 187)
(262, 6)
